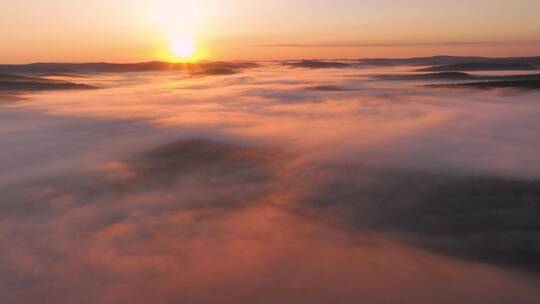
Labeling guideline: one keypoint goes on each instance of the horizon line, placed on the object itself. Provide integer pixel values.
(275, 60)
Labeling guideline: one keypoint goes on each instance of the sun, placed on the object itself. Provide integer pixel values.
(183, 47)
(180, 24)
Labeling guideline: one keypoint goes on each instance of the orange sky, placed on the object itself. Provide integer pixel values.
(135, 30)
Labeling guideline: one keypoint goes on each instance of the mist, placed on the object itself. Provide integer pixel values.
(303, 182)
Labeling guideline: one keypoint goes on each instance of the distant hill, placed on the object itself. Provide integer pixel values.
(420, 61)
(481, 66)
(448, 60)
(318, 64)
(529, 84)
(90, 68)
(454, 76)
(428, 76)
(17, 78)
(17, 83)
(523, 82)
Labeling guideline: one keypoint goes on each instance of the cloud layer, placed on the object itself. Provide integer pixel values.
(277, 184)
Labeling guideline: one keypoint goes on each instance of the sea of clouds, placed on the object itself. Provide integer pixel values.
(277, 184)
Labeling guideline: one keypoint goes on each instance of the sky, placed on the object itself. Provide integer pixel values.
(122, 30)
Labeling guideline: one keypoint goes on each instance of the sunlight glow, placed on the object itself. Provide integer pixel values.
(180, 25)
(183, 47)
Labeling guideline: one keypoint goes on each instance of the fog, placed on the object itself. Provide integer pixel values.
(280, 183)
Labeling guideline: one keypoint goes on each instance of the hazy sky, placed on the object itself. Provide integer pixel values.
(126, 30)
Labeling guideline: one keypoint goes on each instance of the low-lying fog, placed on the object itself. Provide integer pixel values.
(278, 184)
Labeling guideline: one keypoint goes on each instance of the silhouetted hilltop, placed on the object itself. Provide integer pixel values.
(420, 61)
(429, 76)
(316, 64)
(481, 66)
(455, 76)
(329, 88)
(214, 72)
(17, 78)
(524, 84)
(62, 75)
(90, 68)
(16, 83)
(529, 84)
(448, 60)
